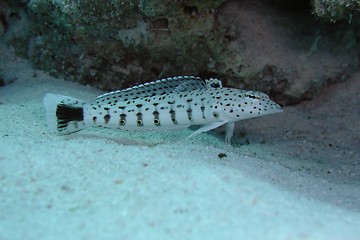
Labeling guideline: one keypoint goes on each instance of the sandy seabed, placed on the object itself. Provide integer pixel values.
(293, 175)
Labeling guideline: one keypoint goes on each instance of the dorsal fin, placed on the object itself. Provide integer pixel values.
(158, 87)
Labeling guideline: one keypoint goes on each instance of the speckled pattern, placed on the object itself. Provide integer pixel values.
(166, 104)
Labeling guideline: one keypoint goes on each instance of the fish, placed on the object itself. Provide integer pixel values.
(172, 103)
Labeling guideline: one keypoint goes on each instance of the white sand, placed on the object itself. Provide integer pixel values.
(102, 184)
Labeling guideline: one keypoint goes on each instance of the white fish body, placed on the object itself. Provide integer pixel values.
(166, 104)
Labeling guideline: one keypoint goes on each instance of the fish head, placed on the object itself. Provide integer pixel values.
(242, 104)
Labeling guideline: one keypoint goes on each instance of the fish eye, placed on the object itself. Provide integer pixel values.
(215, 85)
(252, 96)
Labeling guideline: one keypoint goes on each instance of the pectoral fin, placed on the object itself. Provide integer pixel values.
(229, 131)
(207, 127)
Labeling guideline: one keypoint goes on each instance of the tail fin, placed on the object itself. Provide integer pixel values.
(64, 115)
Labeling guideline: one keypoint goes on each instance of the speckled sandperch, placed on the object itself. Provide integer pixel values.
(166, 104)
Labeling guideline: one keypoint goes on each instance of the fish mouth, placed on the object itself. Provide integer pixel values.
(276, 109)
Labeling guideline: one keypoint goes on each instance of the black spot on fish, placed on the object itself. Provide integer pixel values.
(189, 113)
(172, 116)
(139, 121)
(156, 118)
(203, 111)
(107, 118)
(122, 121)
(156, 122)
(94, 119)
(66, 114)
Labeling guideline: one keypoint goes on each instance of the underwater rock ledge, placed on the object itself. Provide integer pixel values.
(268, 46)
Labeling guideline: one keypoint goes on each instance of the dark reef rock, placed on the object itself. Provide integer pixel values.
(286, 51)
(112, 44)
(272, 46)
(337, 10)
